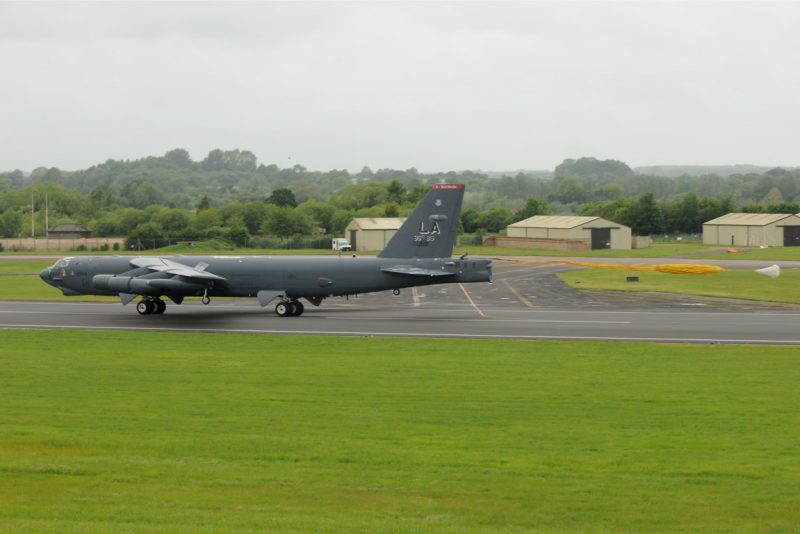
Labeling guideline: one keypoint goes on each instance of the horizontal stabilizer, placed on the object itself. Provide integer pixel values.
(415, 271)
(172, 267)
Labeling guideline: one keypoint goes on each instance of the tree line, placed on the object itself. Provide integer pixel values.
(229, 195)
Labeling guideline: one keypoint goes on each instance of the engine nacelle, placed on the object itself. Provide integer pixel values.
(144, 286)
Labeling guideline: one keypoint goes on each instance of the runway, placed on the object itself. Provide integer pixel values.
(524, 302)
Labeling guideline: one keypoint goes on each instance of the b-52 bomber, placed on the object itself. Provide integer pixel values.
(418, 254)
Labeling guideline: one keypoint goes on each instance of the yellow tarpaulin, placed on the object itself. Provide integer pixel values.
(671, 268)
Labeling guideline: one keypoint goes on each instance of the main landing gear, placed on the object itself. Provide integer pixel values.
(289, 308)
(148, 306)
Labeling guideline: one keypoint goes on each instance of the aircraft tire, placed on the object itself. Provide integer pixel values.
(298, 308)
(144, 307)
(161, 307)
(283, 309)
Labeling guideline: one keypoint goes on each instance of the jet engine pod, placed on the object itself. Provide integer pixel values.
(100, 281)
(125, 284)
(121, 284)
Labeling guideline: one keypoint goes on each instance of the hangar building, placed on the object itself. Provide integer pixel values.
(753, 230)
(69, 231)
(372, 233)
(573, 232)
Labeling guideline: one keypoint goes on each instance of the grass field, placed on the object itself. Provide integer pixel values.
(766, 254)
(740, 284)
(23, 266)
(106, 431)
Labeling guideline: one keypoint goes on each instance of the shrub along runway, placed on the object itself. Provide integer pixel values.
(524, 302)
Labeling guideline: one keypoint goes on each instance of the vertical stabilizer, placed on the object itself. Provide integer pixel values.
(430, 230)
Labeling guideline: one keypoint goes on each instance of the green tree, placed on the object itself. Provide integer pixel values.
(593, 168)
(141, 194)
(533, 206)
(569, 190)
(396, 192)
(784, 207)
(146, 235)
(107, 226)
(178, 158)
(496, 219)
(286, 222)
(391, 209)
(470, 220)
(10, 223)
(644, 216)
(321, 214)
(685, 215)
(205, 203)
(173, 221)
(283, 197)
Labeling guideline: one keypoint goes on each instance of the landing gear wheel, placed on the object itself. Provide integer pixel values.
(283, 309)
(298, 308)
(395, 292)
(161, 306)
(206, 299)
(143, 307)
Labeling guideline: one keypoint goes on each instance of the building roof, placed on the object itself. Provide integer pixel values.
(69, 228)
(378, 223)
(553, 221)
(749, 219)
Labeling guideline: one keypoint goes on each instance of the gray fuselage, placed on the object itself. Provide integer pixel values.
(314, 277)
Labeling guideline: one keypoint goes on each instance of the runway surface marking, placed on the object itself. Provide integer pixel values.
(477, 309)
(408, 334)
(415, 296)
(198, 308)
(517, 293)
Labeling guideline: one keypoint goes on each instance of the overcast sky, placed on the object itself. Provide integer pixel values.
(444, 86)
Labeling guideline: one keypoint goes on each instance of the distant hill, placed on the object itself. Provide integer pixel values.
(699, 170)
(524, 172)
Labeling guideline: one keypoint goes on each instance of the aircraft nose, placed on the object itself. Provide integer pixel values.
(44, 274)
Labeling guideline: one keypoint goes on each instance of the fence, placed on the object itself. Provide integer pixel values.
(44, 243)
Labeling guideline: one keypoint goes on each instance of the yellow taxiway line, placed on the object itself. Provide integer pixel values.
(477, 309)
(517, 294)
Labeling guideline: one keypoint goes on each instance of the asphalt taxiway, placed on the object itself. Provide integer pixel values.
(524, 302)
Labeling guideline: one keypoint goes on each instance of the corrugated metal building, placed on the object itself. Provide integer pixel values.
(372, 233)
(753, 230)
(597, 232)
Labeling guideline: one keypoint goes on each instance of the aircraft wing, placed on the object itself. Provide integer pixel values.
(415, 271)
(175, 268)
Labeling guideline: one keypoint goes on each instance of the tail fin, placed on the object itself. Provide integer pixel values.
(430, 230)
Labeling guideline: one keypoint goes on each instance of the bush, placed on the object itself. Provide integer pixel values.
(470, 239)
(295, 242)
